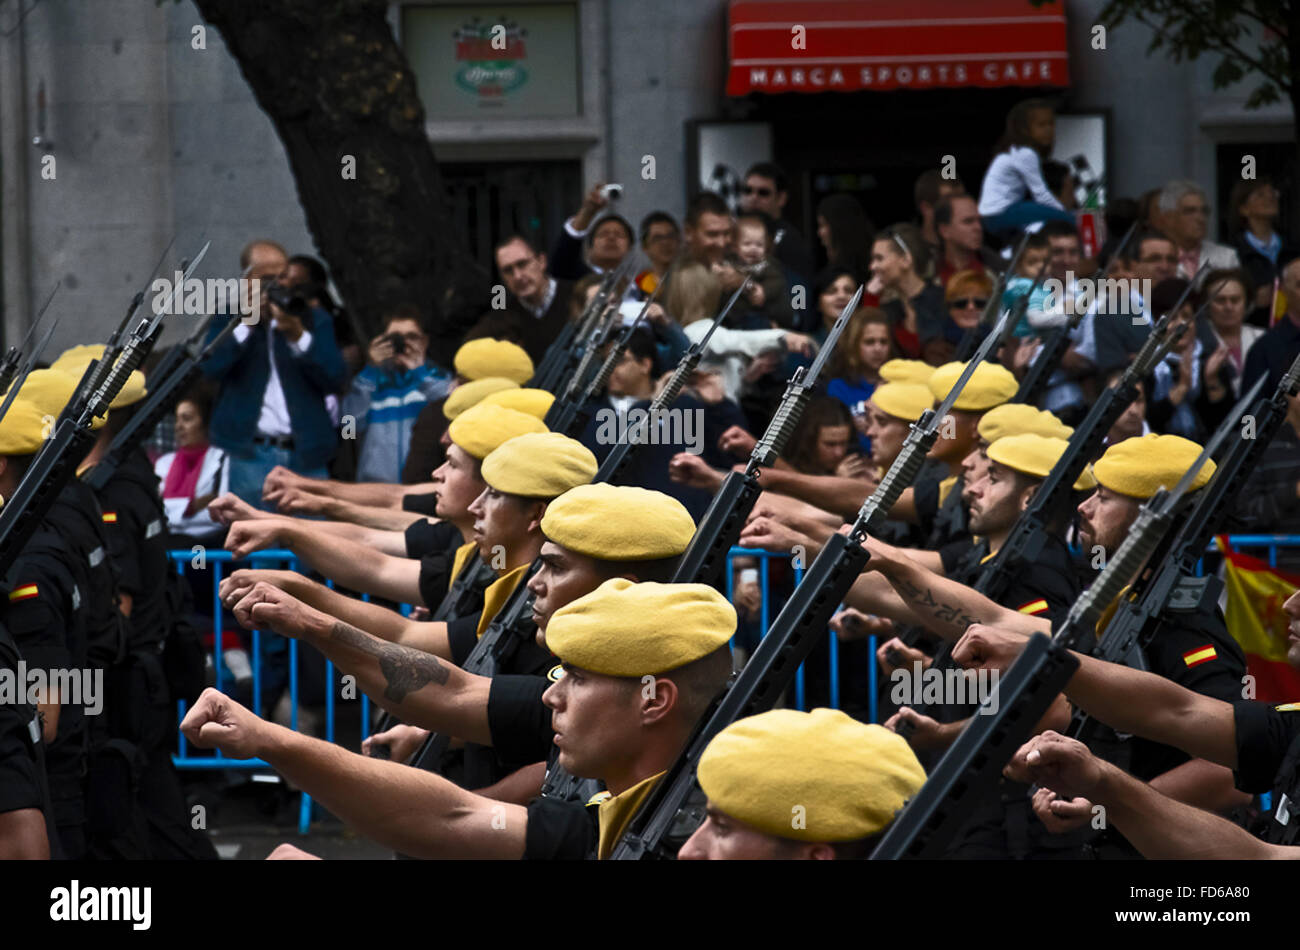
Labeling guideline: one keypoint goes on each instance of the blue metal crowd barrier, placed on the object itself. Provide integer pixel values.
(216, 560)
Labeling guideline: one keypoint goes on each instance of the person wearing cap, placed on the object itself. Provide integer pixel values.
(273, 377)
(374, 562)
(642, 663)
(788, 785)
(135, 521)
(384, 399)
(1189, 645)
(42, 606)
(593, 533)
(482, 366)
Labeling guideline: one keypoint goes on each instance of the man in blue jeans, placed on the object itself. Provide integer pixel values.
(274, 373)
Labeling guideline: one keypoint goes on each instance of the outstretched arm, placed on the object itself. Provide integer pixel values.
(1158, 826)
(410, 810)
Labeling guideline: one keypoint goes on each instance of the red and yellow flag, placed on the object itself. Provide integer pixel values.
(1257, 621)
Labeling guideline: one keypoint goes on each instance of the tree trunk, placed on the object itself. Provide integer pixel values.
(335, 83)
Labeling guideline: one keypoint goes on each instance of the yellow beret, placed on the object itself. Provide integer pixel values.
(626, 629)
(75, 360)
(23, 429)
(990, 385)
(1013, 418)
(1140, 466)
(486, 357)
(618, 523)
(1035, 455)
(906, 371)
(471, 394)
(49, 391)
(535, 402)
(480, 429)
(905, 401)
(539, 464)
(840, 778)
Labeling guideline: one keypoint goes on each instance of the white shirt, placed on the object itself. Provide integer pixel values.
(1015, 175)
(736, 348)
(274, 418)
(213, 479)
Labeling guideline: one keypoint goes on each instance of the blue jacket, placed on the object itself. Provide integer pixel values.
(243, 369)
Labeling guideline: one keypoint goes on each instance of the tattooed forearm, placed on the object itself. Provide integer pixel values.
(924, 597)
(404, 669)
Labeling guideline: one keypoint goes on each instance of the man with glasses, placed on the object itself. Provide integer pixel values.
(1184, 214)
(765, 190)
(386, 397)
(537, 305)
(606, 237)
(1150, 258)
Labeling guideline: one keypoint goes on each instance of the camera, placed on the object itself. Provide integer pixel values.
(289, 299)
(612, 192)
(398, 343)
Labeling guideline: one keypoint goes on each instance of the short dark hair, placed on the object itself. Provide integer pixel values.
(405, 311)
(1054, 175)
(514, 236)
(201, 398)
(705, 202)
(943, 210)
(1133, 252)
(1037, 241)
(1058, 228)
(605, 219)
(658, 217)
(772, 171)
(659, 570)
(316, 271)
(1224, 275)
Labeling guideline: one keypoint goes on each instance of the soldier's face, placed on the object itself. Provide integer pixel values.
(1104, 519)
(596, 722)
(994, 500)
(457, 484)
(563, 577)
(973, 468)
(723, 838)
(501, 521)
(887, 434)
(1292, 608)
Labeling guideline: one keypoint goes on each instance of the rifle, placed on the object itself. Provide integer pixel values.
(617, 460)
(1058, 341)
(15, 386)
(722, 523)
(574, 420)
(13, 357)
(971, 338)
(561, 356)
(930, 821)
(787, 644)
(1172, 581)
(582, 356)
(55, 464)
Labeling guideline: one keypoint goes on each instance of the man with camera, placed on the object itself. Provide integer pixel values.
(386, 397)
(274, 372)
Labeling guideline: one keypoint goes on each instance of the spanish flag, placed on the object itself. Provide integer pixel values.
(1034, 607)
(25, 592)
(1257, 621)
(109, 517)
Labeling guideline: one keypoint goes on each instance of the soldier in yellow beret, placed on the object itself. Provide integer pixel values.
(629, 700)
(471, 394)
(535, 402)
(593, 533)
(1190, 645)
(793, 785)
(485, 357)
(41, 606)
(906, 371)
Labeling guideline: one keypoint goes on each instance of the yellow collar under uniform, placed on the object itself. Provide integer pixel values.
(498, 592)
(461, 557)
(616, 812)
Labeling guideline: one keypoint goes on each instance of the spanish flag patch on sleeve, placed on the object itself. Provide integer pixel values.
(25, 592)
(1200, 655)
(109, 517)
(1034, 607)
(1288, 707)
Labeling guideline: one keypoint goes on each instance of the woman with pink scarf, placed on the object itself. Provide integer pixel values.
(192, 476)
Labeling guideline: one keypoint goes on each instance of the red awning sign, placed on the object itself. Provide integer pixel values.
(892, 44)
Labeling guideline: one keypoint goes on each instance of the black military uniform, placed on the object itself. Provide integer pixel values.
(22, 752)
(1003, 825)
(1268, 760)
(135, 520)
(42, 608)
